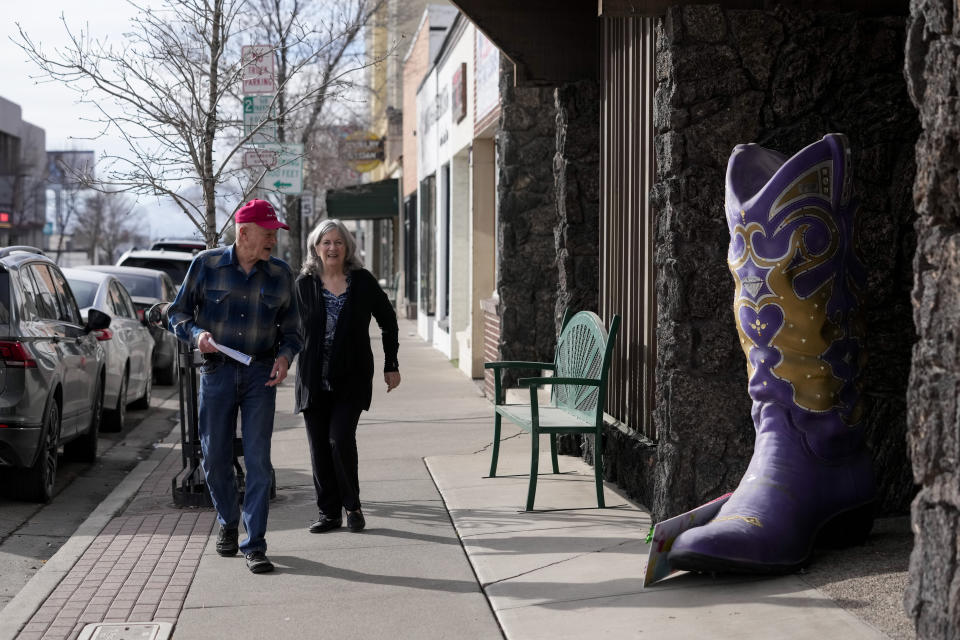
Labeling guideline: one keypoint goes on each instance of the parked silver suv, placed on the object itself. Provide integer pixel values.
(51, 374)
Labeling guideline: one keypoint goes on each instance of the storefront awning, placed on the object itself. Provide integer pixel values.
(369, 201)
(549, 41)
(555, 41)
(659, 7)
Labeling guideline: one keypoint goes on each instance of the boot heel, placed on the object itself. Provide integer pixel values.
(847, 529)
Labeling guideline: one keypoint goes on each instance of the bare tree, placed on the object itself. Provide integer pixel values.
(106, 222)
(169, 91)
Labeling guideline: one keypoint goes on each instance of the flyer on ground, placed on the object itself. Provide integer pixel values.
(664, 533)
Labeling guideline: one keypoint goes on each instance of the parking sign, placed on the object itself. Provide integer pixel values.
(259, 72)
(256, 109)
(287, 176)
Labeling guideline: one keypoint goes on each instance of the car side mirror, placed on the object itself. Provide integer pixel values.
(157, 314)
(96, 320)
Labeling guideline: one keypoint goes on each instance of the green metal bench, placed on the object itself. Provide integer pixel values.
(579, 388)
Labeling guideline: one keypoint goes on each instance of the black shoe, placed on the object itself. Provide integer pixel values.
(324, 524)
(257, 562)
(227, 538)
(355, 521)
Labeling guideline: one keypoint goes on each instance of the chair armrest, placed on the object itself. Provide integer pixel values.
(516, 364)
(535, 382)
(498, 367)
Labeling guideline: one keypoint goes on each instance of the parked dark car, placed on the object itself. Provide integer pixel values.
(52, 371)
(147, 287)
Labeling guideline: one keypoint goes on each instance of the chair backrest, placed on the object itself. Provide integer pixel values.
(583, 351)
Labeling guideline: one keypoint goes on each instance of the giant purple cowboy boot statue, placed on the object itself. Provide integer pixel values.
(798, 278)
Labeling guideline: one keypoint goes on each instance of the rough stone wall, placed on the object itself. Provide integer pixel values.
(576, 183)
(933, 77)
(527, 272)
(783, 79)
(576, 174)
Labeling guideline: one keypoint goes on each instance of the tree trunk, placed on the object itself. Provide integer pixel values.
(95, 238)
(210, 131)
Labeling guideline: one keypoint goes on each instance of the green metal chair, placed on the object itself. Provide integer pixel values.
(579, 389)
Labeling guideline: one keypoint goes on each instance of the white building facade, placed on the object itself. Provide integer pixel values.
(457, 193)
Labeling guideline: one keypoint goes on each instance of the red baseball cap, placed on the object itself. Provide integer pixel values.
(261, 212)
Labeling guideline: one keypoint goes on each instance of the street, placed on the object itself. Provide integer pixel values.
(31, 533)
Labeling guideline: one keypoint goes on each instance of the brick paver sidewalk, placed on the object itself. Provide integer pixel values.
(138, 569)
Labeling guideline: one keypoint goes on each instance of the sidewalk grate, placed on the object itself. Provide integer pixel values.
(127, 631)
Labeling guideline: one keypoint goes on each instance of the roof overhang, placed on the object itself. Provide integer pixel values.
(549, 41)
(368, 201)
(659, 7)
(552, 42)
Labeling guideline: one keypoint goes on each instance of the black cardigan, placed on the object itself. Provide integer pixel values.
(351, 361)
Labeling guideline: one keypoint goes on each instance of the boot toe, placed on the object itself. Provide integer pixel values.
(734, 546)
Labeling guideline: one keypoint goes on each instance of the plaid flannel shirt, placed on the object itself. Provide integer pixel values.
(252, 313)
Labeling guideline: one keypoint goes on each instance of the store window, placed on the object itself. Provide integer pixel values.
(428, 228)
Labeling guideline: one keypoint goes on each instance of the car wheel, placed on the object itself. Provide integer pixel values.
(168, 375)
(84, 448)
(37, 485)
(143, 402)
(114, 419)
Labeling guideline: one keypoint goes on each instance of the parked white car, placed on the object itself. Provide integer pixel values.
(148, 287)
(189, 245)
(174, 263)
(127, 343)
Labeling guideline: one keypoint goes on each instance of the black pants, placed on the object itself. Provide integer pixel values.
(332, 432)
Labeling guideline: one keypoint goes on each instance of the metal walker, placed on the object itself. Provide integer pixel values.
(189, 485)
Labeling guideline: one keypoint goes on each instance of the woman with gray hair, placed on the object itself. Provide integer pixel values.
(337, 297)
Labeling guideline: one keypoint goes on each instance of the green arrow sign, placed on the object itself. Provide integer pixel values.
(286, 175)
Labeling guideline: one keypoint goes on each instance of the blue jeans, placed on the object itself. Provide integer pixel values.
(226, 388)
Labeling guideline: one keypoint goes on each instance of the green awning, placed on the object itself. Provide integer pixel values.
(370, 201)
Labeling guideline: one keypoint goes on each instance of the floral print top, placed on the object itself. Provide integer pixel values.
(333, 305)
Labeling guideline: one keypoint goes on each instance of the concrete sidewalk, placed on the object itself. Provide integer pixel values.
(567, 570)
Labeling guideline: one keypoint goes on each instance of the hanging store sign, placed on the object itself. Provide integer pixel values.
(256, 110)
(286, 176)
(363, 150)
(487, 71)
(259, 69)
(458, 94)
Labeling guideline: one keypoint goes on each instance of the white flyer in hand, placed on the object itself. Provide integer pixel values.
(233, 353)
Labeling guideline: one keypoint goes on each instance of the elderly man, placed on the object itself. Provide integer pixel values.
(240, 297)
